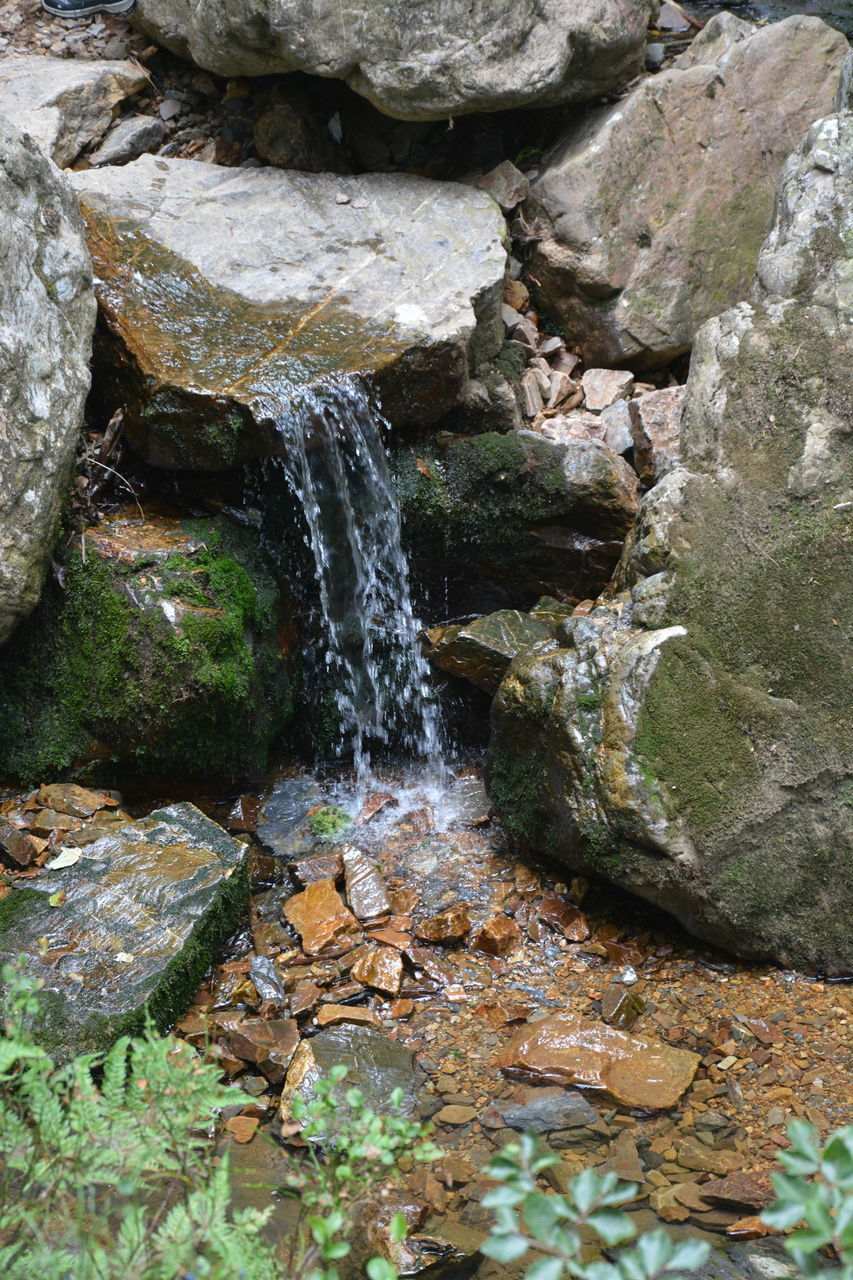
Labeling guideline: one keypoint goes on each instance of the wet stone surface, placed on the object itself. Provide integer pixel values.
(439, 1017)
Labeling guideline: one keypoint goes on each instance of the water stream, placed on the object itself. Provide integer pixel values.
(336, 467)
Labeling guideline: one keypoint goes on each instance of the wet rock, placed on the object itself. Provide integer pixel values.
(270, 1045)
(159, 648)
(375, 1064)
(66, 104)
(128, 140)
(319, 915)
(498, 937)
(379, 967)
(144, 911)
(366, 892)
(605, 387)
(687, 728)
(447, 927)
(427, 65)
(284, 831)
(481, 650)
(17, 850)
(329, 1015)
(621, 1008)
(546, 1110)
(48, 314)
(630, 259)
(403, 282)
(563, 916)
(524, 516)
(657, 433)
(80, 802)
(267, 980)
(566, 1049)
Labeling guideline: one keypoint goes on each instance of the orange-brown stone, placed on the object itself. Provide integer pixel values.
(379, 967)
(318, 915)
(566, 1049)
(498, 936)
(447, 927)
(329, 1015)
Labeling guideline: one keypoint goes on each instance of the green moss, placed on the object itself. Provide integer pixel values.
(95, 678)
(329, 822)
(514, 780)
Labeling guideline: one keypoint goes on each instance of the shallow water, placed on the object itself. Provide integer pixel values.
(838, 13)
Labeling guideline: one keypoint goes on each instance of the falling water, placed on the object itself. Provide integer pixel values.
(336, 466)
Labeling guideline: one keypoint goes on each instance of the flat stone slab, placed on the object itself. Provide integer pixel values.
(566, 1049)
(133, 921)
(65, 104)
(230, 291)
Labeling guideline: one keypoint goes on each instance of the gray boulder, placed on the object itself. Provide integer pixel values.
(66, 104)
(145, 908)
(691, 737)
(229, 291)
(47, 313)
(653, 210)
(425, 61)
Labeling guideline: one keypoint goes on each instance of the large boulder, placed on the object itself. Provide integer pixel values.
(652, 211)
(126, 922)
(425, 61)
(47, 313)
(66, 104)
(228, 292)
(496, 521)
(692, 737)
(160, 649)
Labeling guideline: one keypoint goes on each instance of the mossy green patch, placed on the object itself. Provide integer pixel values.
(174, 667)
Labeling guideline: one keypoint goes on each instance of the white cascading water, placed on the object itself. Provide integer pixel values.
(336, 465)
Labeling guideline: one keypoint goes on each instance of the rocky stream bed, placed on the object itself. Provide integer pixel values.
(424, 586)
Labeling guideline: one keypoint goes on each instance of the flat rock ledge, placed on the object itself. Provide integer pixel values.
(228, 292)
(131, 922)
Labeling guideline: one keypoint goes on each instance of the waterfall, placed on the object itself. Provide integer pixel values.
(336, 466)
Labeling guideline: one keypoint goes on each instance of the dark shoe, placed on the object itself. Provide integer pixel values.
(85, 8)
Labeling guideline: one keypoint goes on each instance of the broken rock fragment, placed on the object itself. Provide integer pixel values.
(318, 914)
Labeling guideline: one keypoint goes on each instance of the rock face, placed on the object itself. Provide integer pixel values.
(691, 738)
(229, 290)
(66, 104)
(47, 312)
(505, 519)
(421, 62)
(654, 209)
(145, 908)
(159, 648)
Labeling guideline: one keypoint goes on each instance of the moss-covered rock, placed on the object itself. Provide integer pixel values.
(129, 927)
(692, 739)
(501, 519)
(160, 648)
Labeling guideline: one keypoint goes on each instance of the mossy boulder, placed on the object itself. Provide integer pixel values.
(496, 521)
(652, 210)
(159, 649)
(692, 737)
(127, 927)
